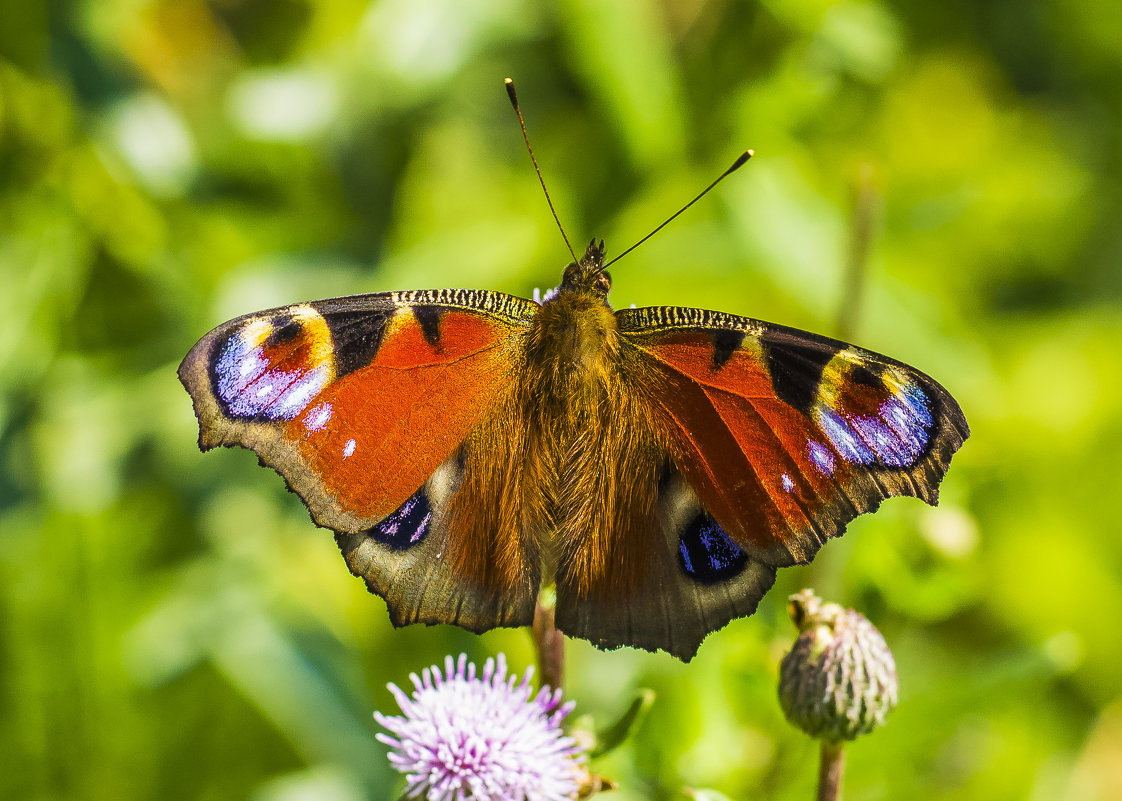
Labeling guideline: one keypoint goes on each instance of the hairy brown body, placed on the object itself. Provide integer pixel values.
(578, 458)
(590, 451)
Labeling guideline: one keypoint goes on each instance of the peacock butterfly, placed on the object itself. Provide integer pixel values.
(655, 465)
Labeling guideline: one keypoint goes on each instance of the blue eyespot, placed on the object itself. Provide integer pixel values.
(250, 388)
(707, 554)
(895, 436)
(407, 525)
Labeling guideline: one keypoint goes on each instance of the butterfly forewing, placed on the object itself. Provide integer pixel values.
(784, 435)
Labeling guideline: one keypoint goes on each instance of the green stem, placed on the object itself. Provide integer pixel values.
(549, 643)
(830, 771)
(866, 204)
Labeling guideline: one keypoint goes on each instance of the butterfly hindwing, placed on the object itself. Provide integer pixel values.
(785, 436)
(687, 578)
(363, 405)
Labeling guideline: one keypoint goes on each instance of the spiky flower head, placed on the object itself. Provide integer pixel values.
(485, 738)
(839, 680)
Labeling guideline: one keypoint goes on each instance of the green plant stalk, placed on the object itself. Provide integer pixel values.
(548, 641)
(830, 770)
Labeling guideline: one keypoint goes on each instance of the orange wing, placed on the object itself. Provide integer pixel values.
(362, 404)
(786, 436)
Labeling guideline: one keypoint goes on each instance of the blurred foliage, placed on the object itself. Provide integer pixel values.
(171, 624)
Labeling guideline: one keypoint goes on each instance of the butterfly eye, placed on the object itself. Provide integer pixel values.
(570, 273)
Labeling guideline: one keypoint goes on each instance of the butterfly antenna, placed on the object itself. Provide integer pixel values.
(526, 138)
(736, 165)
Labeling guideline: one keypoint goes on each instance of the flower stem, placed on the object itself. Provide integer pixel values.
(830, 771)
(866, 205)
(549, 642)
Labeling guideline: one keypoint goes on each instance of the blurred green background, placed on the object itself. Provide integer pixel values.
(172, 625)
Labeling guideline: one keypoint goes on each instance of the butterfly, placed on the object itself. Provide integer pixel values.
(654, 466)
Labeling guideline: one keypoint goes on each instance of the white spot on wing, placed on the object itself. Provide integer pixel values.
(822, 458)
(788, 483)
(301, 391)
(317, 418)
(349, 448)
(840, 431)
(416, 537)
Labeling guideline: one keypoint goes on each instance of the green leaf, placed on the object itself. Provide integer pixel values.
(610, 738)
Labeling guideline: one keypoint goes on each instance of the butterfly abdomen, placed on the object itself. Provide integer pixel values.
(591, 460)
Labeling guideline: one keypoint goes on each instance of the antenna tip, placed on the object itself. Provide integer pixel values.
(740, 162)
(509, 83)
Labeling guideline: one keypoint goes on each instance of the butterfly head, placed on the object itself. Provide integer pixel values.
(588, 275)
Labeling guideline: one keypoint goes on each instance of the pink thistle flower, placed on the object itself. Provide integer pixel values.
(486, 739)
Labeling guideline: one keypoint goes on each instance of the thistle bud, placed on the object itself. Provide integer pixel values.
(839, 680)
